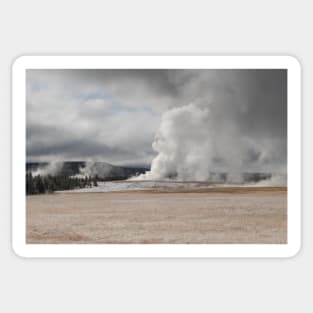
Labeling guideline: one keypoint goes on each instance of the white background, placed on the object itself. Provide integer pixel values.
(163, 27)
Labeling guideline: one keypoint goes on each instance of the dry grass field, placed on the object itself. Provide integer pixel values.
(215, 215)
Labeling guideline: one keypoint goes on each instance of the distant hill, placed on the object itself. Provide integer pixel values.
(101, 169)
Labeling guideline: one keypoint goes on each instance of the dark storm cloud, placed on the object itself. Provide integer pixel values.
(158, 81)
(114, 114)
(51, 143)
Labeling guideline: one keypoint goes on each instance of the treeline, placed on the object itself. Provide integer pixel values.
(48, 184)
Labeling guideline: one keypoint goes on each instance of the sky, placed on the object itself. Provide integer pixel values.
(114, 115)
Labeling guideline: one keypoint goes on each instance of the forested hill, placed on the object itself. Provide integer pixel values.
(100, 169)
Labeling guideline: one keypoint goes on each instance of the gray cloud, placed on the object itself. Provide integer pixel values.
(113, 115)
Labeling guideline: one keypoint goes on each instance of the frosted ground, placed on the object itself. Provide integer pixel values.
(162, 185)
(128, 185)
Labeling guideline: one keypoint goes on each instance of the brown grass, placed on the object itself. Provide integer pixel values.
(214, 215)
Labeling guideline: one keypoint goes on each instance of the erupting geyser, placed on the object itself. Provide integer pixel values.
(183, 145)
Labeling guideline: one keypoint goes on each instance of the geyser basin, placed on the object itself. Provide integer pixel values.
(172, 185)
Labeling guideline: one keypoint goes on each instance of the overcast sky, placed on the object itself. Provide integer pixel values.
(113, 115)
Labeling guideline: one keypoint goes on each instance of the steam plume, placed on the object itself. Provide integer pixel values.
(192, 146)
(183, 145)
(92, 169)
(53, 168)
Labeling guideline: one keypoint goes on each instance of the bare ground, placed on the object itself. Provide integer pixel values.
(219, 215)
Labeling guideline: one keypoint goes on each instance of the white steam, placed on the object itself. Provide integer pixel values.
(92, 169)
(189, 142)
(53, 168)
(183, 145)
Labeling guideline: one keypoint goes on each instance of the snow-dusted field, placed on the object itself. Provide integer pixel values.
(129, 185)
(201, 215)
